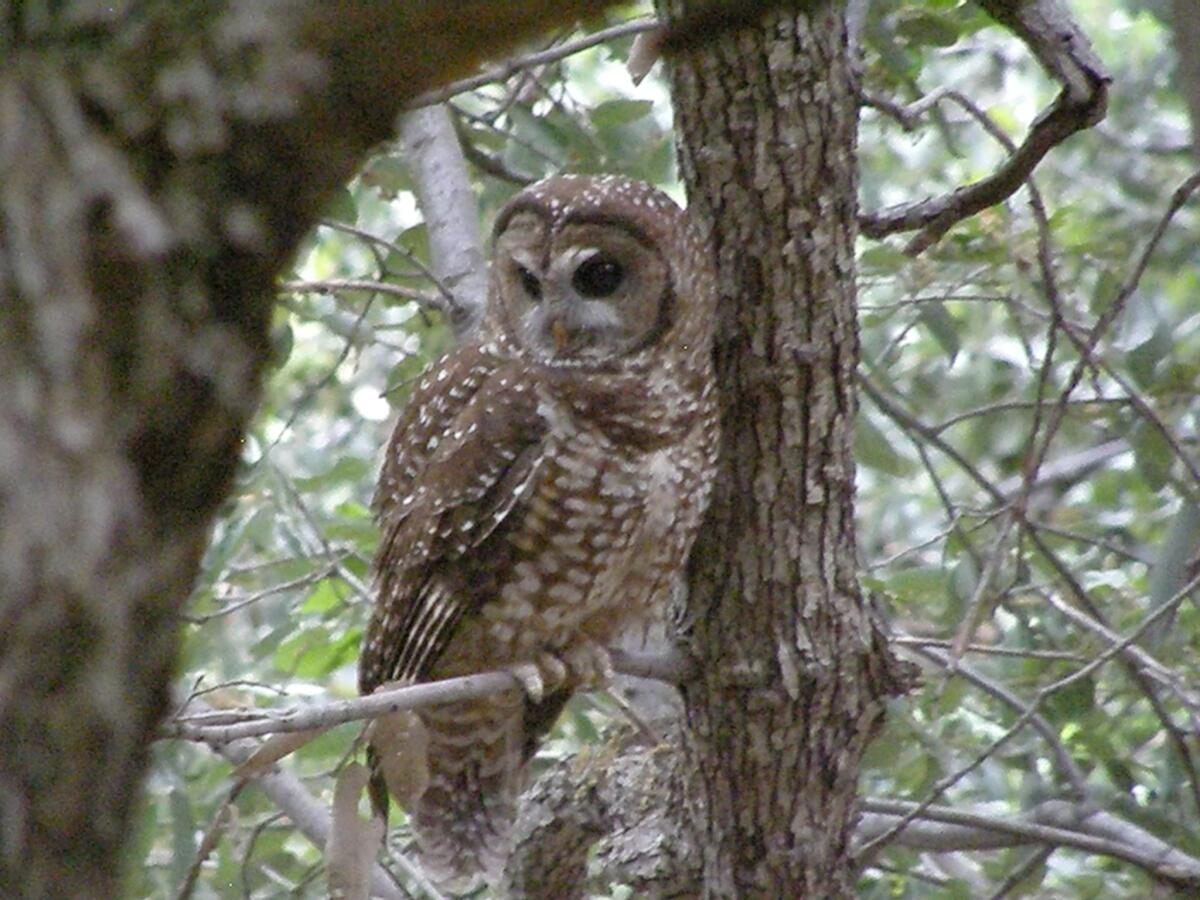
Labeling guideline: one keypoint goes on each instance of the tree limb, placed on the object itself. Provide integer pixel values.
(159, 164)
(451, 213)
(1062, 49)
(220, 727)
(1055, 823)
(619, 805)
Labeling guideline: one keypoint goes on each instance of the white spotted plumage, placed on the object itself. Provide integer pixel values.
(541, 491)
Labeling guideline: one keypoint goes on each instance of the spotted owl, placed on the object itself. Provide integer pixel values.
(539, 497)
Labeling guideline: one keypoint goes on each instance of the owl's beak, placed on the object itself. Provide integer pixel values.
(562, 337)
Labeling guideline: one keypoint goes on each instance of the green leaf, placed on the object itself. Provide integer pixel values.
(415, 240)
(347, 470)
(1145, 357)
(328, 594)
(388, 175)
(183, 835)
(340, 206)
(964, 579)
(928, 29)
(883, 259)
(941, 325)
(873, 449)
(283, 340)
(315, 652)
(920, 585)
(1071, 702)
(1173, 564)
(950, 696)
(538, 148)
(615, 113)
(1152, 455)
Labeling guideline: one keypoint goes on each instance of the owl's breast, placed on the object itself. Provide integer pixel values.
(593, 549)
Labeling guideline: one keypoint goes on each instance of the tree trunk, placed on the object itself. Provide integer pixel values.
(793, 666)
(158, 165)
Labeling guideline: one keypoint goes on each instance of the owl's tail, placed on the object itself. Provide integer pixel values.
(463, 822)
(458, 773)
(458, 770)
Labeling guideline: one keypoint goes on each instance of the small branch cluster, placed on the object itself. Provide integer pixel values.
(1060, 46)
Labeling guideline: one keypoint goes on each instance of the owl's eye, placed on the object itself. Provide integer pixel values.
(529, 281)
(598, 276)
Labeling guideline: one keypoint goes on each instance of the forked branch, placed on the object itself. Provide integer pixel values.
(1062, 49)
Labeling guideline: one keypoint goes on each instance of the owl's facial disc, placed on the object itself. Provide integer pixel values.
(593, 294)
(572, 311)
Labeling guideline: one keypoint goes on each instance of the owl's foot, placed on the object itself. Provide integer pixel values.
(587, 666)
(590, 666)
(547, 673)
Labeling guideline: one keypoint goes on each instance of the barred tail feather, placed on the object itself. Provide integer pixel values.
(463, 820)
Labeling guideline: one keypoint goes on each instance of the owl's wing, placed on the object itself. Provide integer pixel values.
(461, 458)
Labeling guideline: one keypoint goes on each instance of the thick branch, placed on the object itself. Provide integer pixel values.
(1062, 49)
(623, 811)
(617, 813)
(157, 169)
(451, 213)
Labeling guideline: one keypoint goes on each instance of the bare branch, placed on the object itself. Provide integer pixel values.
(451, 213)
(1055, 823)
(532, 60)
(224, 726)
(1057, 42)
(305, 811)
(330, 285)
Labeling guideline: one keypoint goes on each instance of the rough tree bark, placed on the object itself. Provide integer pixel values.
(158, 164)
(792, 666)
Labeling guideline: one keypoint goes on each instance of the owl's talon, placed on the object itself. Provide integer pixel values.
(590, 664)
(554, 670)
(548, 673)
(530, 678)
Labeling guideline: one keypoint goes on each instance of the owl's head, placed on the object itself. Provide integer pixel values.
(585, 269)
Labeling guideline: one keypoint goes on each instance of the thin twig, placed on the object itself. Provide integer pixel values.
(330, 285)
(224, 726)
(506, 70)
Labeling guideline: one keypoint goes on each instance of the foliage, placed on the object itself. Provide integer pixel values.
(1013, 492)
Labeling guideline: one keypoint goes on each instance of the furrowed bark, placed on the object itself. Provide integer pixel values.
(792, 665)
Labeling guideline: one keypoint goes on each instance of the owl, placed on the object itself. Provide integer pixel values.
(539, 497)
